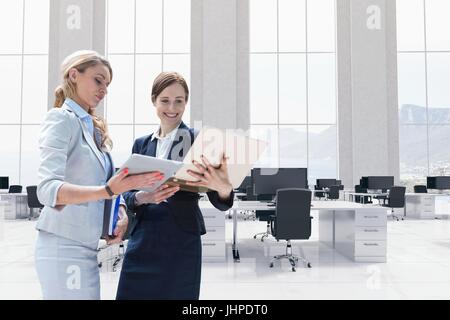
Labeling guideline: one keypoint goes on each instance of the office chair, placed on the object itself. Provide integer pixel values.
(292, 220)
(116, 259)
(261, 215)
(395, 199)
(333, 193)
(359, 189)
(15, 189)
(319, 194)
(33, 201)
(420, 189)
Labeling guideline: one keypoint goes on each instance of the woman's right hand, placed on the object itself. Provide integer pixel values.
(121, 182)
(157, 196)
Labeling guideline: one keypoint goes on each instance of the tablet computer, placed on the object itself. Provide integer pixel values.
(138, 163)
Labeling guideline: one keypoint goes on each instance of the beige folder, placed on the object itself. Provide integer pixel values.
(240, 150)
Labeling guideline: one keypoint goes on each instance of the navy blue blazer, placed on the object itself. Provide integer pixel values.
(183, 205)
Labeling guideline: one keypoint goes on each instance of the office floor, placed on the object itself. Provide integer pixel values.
(418, 267)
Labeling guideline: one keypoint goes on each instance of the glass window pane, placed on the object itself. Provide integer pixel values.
(180, 63)
(149, 26)
(411, 87)
(263, 25)
(270, 157)
(410, 25)
(437, 24)
(322, 151)
(321, 25)
(120, 26)
(292, 88)
(293, 149)
(292, 25)
(37, 13)
(263, 88)
(35, 92)
(144, 130)
(120, 92)
(10, 72)
(438, 82)
(11, 21)
(147, 68)
(413, 155)
(177, 26)
(30, 155)
(122, 137)
(439, 144)
(10, 151)
(321, 89)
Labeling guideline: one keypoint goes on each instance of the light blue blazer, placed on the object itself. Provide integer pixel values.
(68, 153)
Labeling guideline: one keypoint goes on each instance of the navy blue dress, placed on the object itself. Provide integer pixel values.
(164, 254)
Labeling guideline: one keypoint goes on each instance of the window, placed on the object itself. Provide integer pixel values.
(143, 38)
(23, 79)
(424, 99)
(293, 83)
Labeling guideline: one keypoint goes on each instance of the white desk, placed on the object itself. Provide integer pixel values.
(16, 206)
(425, 205)
(365, 194)
(355, 230)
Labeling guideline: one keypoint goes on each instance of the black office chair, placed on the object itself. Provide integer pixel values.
(395, 199)
(33, 201)
(292, 220)
(333, 193)
(15, 189)
(319, 194)
(359, 189)
(261, 215)
(420, 189)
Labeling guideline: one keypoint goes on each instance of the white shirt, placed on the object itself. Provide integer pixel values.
(164, 144)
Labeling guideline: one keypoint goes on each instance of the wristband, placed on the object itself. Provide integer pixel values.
(109, 191)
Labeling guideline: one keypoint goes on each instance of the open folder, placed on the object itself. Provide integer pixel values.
(240, 150)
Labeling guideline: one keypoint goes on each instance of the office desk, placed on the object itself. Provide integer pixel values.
(355, 230)
(362, 195)
(16, 206)
(424, 205)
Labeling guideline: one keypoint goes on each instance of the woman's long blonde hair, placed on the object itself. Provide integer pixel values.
(82, 60)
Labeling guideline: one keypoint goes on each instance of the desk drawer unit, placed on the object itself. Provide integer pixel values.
(370, 248)
(374, 233)
(213, 242)
(368, 218)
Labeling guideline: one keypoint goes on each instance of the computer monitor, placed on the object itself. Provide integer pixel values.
(380, 182)
(439, 183)
(325, 183)
(245, 183)
(363, 182)
(266, 181)
(4, 183)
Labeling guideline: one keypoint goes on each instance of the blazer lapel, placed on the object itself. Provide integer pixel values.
(183, 136)
(151, 148)
(89, 139)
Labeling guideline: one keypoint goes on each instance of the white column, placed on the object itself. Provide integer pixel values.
(367, 84)
(74, 25)
(220, 63)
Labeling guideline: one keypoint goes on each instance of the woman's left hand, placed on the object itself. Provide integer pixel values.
(213, 178)
(120, 229)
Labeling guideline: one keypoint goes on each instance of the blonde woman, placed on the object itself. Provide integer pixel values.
(76, 182)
